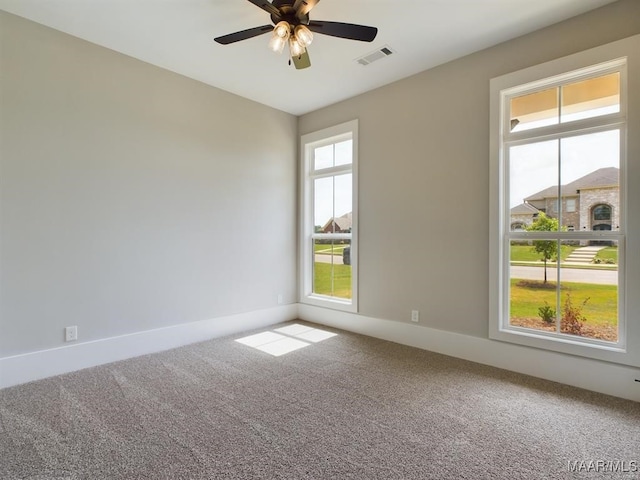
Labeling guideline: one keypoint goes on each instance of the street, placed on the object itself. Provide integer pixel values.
(583, 275)
(322, 258)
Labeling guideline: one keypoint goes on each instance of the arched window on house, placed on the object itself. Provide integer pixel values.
(601, 212)
(601, 220)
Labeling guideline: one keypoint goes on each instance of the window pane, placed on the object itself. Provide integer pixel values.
(323, 157)
(590, 171)
(343, 152)
(343, 201)
(585, 301)
(589, 296)
(333, 204)
(323, 193)
(533, 183)
(332, 268)
(591, 98)
(333, 155)
(533, 290)
(534, 110)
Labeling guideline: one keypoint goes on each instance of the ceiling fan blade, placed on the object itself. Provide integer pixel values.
(267, 7)
(344, 30)
(302, 61)
(244, 34)
(303, 7)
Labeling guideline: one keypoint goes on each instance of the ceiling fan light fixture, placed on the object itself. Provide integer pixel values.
(295, 47)
(303, 35)
(276, 44)
(293, 26)
(282, 30)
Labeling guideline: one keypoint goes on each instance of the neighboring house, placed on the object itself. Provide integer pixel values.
(523, 215)
(338, 224)
(588, 203)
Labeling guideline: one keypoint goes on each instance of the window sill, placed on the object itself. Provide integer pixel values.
(330, 302)
(595, 349)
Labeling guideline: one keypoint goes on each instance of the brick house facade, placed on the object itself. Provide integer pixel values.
(591, 202)
(338, 224)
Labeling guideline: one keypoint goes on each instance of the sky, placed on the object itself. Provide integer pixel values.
(536, 166)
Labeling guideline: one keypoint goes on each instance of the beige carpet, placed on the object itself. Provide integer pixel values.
(347, 407)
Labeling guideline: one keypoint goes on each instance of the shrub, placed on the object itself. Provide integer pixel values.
(547, 313)
(572, 317)
(608, 261)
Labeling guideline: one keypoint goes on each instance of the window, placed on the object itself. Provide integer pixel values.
(602, 212)
(559, 135)
(329, 260)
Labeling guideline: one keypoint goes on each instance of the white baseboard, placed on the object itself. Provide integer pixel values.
(609, 378)
(598, 376)
(46, 363)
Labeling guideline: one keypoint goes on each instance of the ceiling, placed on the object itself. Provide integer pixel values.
(178, 35)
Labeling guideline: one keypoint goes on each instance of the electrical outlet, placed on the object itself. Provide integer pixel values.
(415, 316)
(71, 334)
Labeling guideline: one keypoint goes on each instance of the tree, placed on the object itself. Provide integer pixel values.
(547, 248)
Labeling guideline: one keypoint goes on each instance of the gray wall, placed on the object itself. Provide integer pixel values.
(133, 198)
(424, 174)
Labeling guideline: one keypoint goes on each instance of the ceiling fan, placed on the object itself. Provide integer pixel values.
(293, 26)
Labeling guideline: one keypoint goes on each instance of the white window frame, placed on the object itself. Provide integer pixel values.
(557, 72)
(310, 141)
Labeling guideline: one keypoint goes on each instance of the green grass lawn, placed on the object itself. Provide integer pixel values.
(337, 284)
(526, 253)
(609, 253)
(329, 249)
(601, 309)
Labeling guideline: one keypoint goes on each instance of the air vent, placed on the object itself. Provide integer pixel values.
(379, 54)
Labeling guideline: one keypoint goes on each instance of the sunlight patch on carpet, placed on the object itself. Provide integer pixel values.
(272, 343)
(288, 339)
(313, 335)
